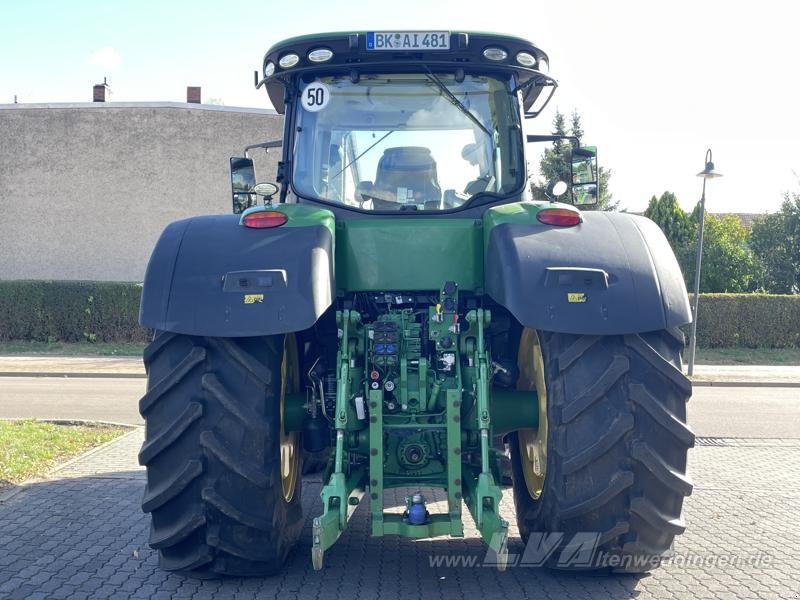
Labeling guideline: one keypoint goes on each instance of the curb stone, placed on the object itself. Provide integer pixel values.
(713, 383)
(74, 374)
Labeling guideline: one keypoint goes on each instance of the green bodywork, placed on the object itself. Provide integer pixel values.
(380, 254)
(386, 254)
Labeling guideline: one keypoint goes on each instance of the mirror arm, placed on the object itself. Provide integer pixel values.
(283, 180)
(553, 138)
(258, 83)
(265, 145)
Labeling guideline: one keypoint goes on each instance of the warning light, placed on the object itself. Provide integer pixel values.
(561, 217)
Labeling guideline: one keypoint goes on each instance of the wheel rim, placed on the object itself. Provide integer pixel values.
(290, 446)
(533, 442)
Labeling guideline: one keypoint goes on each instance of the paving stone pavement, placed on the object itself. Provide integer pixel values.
(81, 534)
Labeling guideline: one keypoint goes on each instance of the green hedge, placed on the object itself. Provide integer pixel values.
(81, 311)
(70, 311)
(748, 320)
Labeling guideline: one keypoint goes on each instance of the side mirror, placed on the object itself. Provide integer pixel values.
(243, 180)
(584, 173)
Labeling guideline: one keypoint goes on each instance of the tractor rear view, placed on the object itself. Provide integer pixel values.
(396, 302)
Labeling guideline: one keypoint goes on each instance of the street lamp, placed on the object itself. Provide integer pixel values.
(707, 173)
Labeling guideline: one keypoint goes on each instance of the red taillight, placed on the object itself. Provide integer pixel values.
(264, 219)
(563, 217)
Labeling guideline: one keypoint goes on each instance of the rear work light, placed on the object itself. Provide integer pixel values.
(494, 53)
(264, 219)
(319, 55)
(287, 61)
(562, 217)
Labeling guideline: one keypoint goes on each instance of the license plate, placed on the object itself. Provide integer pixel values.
(408, 40)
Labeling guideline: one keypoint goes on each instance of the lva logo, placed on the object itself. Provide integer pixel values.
(543, 548)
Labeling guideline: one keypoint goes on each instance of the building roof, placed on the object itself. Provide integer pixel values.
(746, 219)
(107, 105)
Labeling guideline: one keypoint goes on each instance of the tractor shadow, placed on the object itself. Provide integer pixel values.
(88, 535)
(438, 566)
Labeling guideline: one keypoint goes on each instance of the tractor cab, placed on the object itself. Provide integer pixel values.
(420, 122)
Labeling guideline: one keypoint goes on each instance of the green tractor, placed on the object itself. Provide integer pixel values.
(397, 301)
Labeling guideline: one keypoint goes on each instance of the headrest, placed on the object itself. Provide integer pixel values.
(470, 152)
(407, 158)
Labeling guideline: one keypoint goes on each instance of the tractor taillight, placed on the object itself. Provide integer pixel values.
(562, 217)
(264, 219)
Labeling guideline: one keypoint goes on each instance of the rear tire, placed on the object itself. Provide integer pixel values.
(213, 454)
(617, 444)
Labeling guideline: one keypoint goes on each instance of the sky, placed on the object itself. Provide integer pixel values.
(656, 84)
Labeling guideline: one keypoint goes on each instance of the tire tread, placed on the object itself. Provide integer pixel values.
(212, 455)
(617, 445)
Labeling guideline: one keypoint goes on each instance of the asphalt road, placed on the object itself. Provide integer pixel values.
(758, 412)
(735, 412)
(84, 399)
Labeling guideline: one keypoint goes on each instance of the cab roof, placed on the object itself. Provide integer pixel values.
(350, 52)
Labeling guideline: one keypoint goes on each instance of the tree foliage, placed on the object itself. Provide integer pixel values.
(728, 262)
(775, 240)
(672, 219)
(555, 164)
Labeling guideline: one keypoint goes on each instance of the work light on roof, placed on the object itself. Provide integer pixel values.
(526, 59)
(287, 61)
(269, 69)
(318, 55)
(494, 53)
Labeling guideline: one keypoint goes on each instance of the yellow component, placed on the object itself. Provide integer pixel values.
(253, 298)
(533, 442)
(576, 297)
(438, 308)
(289, 442)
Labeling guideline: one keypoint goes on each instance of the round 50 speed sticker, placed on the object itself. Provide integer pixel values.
(316, 96)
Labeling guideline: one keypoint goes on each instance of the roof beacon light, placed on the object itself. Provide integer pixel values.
(526, 59)
(287, 61)
(494, 53)
(319, 55)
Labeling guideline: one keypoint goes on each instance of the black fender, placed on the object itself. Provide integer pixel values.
(614, 273)
(210, 276)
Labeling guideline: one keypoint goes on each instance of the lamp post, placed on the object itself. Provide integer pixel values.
(707, 173)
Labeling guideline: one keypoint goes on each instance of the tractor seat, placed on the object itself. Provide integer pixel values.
(407, 175)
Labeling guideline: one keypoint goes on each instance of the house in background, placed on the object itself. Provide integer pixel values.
(86, 188)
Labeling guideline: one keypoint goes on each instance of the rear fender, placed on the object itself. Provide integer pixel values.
(210, 276)
(614, 273)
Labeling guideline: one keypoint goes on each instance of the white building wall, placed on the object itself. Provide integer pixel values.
(86, 189)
